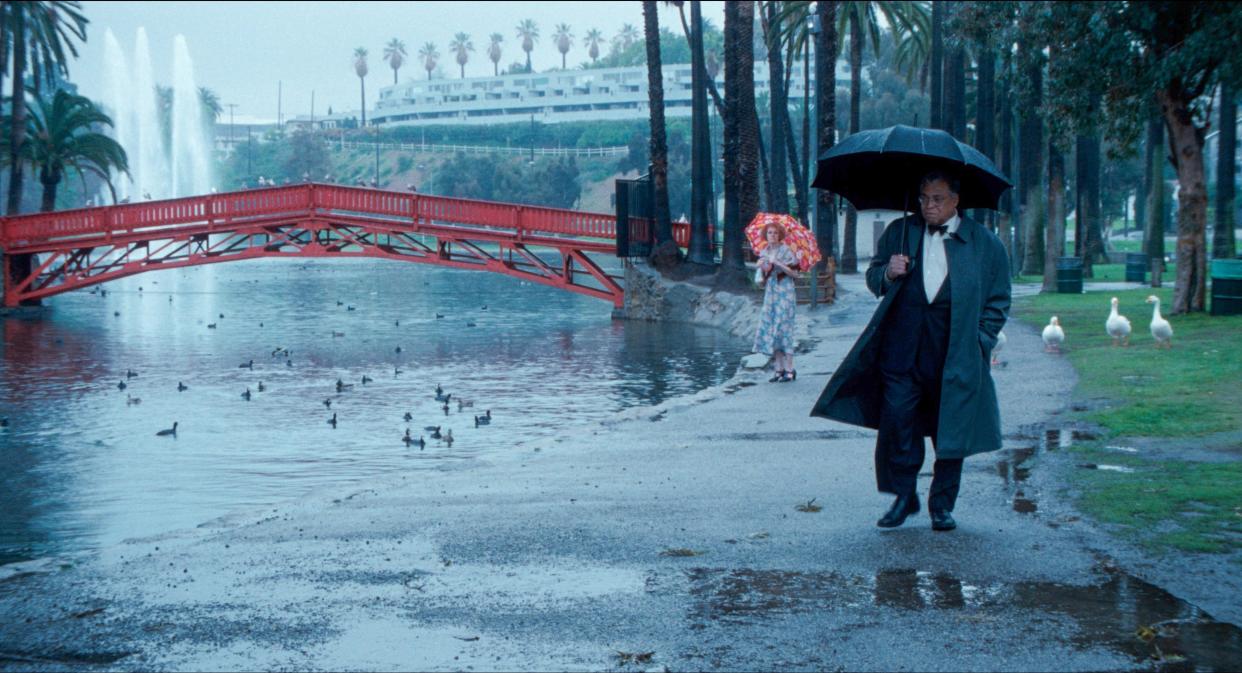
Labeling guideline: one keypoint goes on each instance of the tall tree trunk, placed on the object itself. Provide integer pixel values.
(778, 195)
(985, 116)
(1186, 143)
(17, 137)
(1032, 143)
(700, 251)
(765, 190)
(956, 104)
(362, 82)
(1092, 210)
(1140, 194)
(826, 122)
(1153, 227)
(795, 166)
(936, 64)
(1224, 245)
(664, 253)
(1080, 211)
(1008, 202)
(1054, 234)
(394, 75)
(849, 238)
(740, 137)
(50, 184)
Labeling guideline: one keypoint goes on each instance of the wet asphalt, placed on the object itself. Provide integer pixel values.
(670, 538)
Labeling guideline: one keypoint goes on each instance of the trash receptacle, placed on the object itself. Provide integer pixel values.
(1136, 267)
(1069, 275)
(1227, 287)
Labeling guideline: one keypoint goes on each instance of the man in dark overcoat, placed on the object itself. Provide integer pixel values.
(921, 368)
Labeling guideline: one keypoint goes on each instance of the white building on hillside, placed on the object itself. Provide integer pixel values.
(557, 96)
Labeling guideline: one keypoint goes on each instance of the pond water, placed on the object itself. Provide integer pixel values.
(84, 468)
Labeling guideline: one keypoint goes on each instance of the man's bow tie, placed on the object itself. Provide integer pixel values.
(938, 228)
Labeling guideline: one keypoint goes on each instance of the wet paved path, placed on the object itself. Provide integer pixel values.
(669, 538)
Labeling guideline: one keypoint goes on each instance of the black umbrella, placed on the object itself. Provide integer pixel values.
(882, 168)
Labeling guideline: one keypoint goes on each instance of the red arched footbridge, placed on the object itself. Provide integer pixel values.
(49, 253)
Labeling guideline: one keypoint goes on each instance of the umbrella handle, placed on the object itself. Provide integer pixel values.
(905, 248)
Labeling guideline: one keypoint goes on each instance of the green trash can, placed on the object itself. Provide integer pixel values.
(1227, 287)
(1136, 267)
(1069, 275)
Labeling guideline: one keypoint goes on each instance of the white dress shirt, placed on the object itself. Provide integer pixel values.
(935, 262)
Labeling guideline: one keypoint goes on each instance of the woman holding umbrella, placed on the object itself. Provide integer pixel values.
(777, 263)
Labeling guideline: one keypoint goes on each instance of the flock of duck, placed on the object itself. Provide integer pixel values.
(1117, 326)
(438, 432)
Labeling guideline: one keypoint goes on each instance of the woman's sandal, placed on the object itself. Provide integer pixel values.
(778, 376)
(791, 375)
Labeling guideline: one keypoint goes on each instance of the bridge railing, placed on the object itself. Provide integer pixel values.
(222, 211)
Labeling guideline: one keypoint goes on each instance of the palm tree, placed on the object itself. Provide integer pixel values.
(209, 103)
(360, 67)
(861, 20)
(913, 52)
(626, 37)
(778, 195)
(593, 39)
(493, 52)
(664, 254)
(741, 134)
(463, 46)
(394, 53)
(34, 34)
(428, 53)
(61, 137)
(528, 30)
(564, 40)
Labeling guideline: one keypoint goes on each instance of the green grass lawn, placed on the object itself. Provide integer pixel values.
(1191, 390)
(1195, 388)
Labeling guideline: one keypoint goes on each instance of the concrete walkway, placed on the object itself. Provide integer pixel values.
(667, 539)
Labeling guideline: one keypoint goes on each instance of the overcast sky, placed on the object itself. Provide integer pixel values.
(241, 50)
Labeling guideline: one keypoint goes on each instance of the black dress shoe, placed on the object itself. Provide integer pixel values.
(942, 520)
(904, 506)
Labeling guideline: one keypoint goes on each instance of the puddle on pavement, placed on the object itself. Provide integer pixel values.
(1014, 468)
(1115, 613)
(1106, 467)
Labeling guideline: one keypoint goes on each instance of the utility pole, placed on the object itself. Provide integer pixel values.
(813, 27)
(249, 153)
(280, 124)
(231, 107)
(312, 109)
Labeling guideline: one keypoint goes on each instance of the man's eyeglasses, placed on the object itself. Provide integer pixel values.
(935, 200)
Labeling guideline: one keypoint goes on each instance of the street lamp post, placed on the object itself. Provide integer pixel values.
(231, 107)
(249, 154)
(377, 157)
(813, 27)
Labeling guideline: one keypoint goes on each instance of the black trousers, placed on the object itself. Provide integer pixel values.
(909, 412)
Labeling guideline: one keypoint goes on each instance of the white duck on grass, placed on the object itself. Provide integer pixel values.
(1161, 330)
(1118, 326)
(1054, 336)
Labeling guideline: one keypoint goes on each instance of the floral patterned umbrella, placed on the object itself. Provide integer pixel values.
(797, 237)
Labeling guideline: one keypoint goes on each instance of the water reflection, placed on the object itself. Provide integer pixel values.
(85, 468)
(1116, 612)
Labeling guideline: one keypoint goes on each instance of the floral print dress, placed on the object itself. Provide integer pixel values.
(776, 320)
